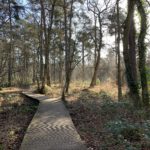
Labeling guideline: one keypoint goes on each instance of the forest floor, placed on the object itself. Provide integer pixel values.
(16, 113)
(103, 122)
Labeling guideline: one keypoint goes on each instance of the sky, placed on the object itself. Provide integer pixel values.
(107, 38)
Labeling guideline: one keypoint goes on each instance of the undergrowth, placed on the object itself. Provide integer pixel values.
(109, 125)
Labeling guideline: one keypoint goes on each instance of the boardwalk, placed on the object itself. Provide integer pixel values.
(51, 127)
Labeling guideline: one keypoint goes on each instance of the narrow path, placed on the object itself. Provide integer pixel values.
(51, 128)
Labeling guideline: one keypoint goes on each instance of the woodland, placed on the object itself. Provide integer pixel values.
(94, 54)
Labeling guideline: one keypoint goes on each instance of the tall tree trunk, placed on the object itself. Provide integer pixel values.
(142, 53)
(66, 48)
(46, 65)
(70, 53)
(132, 49)
(93, 81)
(83, 62)
(54, 67)
(95, 70)
(61, 62)
(98, 53)
(34, 69)
(51, 15)
(130, 55)
(10, 48)
(41, 48)
(68, 79)
(47, 37)
(47, 69)
(118, 51)
(116, 54)
(60, 70)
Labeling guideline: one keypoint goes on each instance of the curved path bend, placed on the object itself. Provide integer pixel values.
(51, 127)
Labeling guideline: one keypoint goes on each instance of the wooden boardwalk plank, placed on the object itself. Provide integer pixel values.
(51, 128)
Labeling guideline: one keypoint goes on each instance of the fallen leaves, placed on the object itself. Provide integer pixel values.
(14, 120)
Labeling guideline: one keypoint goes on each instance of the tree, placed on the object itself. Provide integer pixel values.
(118, 51)
(93, 6)
(142, 52)
(130, 54)
(9, 14)
(84, 37)
(115, 29)
(10, 46)
(70, 43)
(47, 37)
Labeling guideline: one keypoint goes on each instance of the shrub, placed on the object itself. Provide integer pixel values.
(146, 127)
(115, 108)
(105, 97)
(132, 136)
(27, 109)
(129, 131)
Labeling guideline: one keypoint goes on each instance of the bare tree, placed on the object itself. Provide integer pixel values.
(93, 6)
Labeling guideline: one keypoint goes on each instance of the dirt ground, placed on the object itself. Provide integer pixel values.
(16, 113)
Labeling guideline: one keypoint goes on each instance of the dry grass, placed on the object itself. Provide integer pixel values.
(10, 90)
(77, 88)
(110, 88)
(53, 91)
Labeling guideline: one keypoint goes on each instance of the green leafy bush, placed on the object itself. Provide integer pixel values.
(115, 108)
(105, 97)
(28, 109)
(116, 127)
(128, 131)
(131, 135)
(146, 127)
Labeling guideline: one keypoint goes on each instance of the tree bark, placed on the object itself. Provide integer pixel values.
(98, 53)
(68, 52)
(41, 48)
(142, 53)
(45, 46)
(118, 52)
(66, 49)
(47, 35)
(10, 48)
(130, 55)
(93, 81)
(83, 62)
(51, 15)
